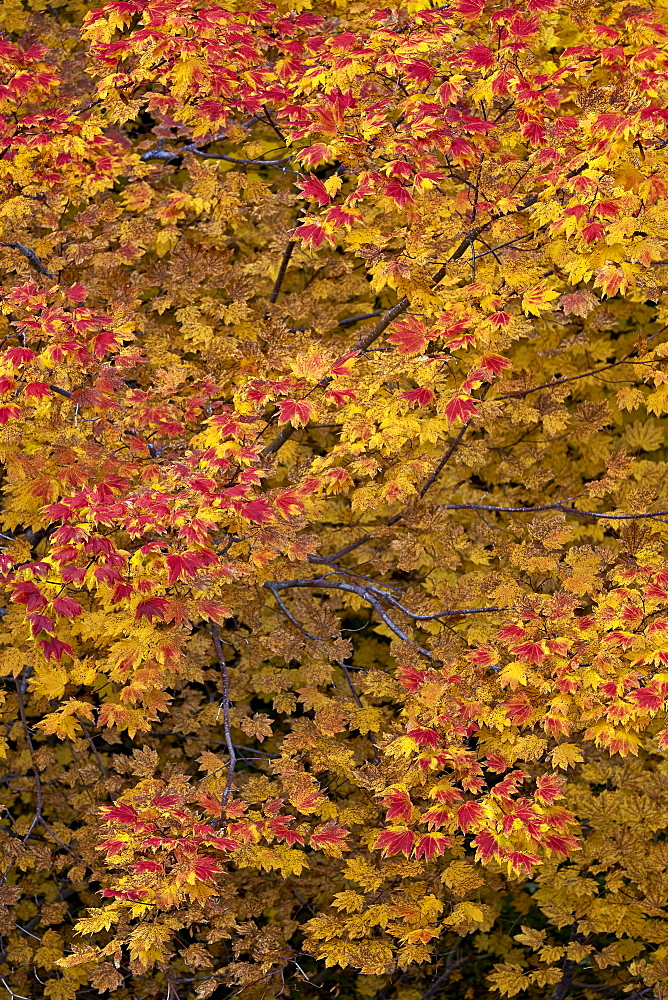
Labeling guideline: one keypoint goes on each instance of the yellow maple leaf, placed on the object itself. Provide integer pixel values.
(566, 755)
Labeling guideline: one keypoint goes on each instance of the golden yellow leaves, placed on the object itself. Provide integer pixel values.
(566, 755)
(147, 943)
(537, 299)
(462, 878)
(644, 435)
(510, 979)
(467, 917)
(105, 977)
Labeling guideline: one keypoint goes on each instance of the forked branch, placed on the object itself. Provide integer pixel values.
(375, 596)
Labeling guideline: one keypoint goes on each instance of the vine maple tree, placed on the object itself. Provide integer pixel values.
(334, 521)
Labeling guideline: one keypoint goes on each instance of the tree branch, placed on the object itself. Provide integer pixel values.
(575, 511)
(31, 749)
(32, 258)
(222, 662)
(373, 595)
(287, 254)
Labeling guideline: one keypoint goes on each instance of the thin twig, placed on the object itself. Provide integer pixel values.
(575, 511)
(215, 634)
(38, 781)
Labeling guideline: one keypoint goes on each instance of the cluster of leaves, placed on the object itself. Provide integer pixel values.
(333, 431)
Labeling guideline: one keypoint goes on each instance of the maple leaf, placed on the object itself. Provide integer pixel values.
(549, 787)
(234, 401)
(37, 390)
(422, 397)
(329, 837)
(124, 814)
(203, 868)
(470, 815)
(67, 607)
(398, 805)
(537, 299)
(55, 649)
(10, 412)
(566, 755)
(431, 845)
(410, 336)
(313, 234)
(530, 652)
(39, 623)
(521, 861)
(314, 189)
(396, 840)
(460, 408)
(153, 607)
(297, 412)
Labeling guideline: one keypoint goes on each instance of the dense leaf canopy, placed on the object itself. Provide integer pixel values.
(333, 395)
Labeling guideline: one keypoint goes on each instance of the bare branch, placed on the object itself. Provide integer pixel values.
(575, 511)
(222, 662)
(373, 594)
(32, 258)
(349, 320)
(287, 254)
(571, 378)
(288, 614)
(276, 443)
(20, 687)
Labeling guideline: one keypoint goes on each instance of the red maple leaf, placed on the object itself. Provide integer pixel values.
(398, 840)
(519, 710)
(549, 787)
(425, 737)
(460, 408)
(38, 390)
(560, 845)
(204, 868)
(487, 846)
(593, 231)
(25, 592)
(423, 397)
(124, 814)
(18, 356)
(530, 652)
(520, 861)
(431, 844)
(294, 411)
(511, 631)
(330, 834)
(39, 623)
(647, 699)
(257, 510)
(470, 814)
(494, 363)
(112, 847)
(147, 866)
(313, 235)
(67, 607)
(314, 188)
(398, 804)
(54, 648)
(153, 607)
(214, 610)
(409, 335)
(11, 412)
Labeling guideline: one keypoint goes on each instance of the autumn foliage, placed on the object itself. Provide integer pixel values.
(334, 523)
